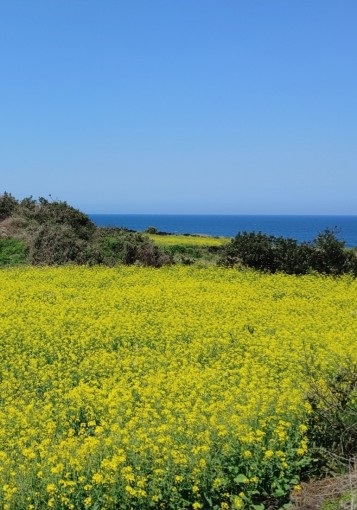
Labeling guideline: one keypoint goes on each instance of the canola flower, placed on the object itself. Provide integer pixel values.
(173, 240)
(172, 388)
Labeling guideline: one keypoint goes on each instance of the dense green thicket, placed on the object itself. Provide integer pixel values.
(52, 232)
(326, 254)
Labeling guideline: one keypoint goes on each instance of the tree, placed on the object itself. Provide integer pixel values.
(8, 204)
(330, 254)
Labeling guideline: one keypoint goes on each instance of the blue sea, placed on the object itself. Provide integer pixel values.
(301, 228)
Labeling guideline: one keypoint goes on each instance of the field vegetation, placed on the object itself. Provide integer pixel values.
(213, 378)
(171, 388)
(48, 232)
(188, 240)
(190, 249)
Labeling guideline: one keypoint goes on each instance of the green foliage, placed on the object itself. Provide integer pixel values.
(151, 230)
(58, 244)
(12, 252)
(332, 427)
(52, 244)
(7, 205)
(114, 245)
(344, 502)
(267, 253)
(291, 257)
(330, 255)
(186, 254)
(53, 232)
(263, 252)
(250, 249)
(45, 212)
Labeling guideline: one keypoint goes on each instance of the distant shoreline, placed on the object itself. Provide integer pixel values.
(303, 228)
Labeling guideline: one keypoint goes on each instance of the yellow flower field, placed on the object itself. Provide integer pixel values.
(172, 388)
(170, 240)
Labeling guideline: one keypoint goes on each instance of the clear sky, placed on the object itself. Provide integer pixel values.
(181, 106)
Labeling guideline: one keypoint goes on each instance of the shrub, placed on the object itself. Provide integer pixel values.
(260, 251)
(56, 244)
(151, 230)
(291, 257)
(330, 255)
(56, 233)
(123, 246)
(254, 249)
(332, 428)
(12, 252)
(45, 212)
(7, 205)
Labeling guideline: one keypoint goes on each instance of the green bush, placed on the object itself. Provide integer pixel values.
(114, 245)
(45, 212)
(12, 252)
(267, 253)
(56, 244)
(263, 252)
(53, 232)
(151, 230)
(291, 257)
(332, 427)
(188, 254)
(250, 249)
(330, 255)
(7, 205)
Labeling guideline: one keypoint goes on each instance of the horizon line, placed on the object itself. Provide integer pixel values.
(222, 214)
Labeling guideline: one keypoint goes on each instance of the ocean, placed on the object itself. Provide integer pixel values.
(301, 228)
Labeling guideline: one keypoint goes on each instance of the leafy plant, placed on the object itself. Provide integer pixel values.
(56, 244)
(326, 254)
(123, 246)
(12, 252)
(330, 255)
(332, 428)
(8, 204)
(53, 232)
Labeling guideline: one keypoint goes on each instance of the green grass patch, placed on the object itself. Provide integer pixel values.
(345, 502)
(12, 252)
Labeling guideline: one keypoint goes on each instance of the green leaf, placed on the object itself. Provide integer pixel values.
(278, 493)
(240, 478)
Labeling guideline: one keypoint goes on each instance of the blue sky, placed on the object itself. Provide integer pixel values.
(181, 106)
